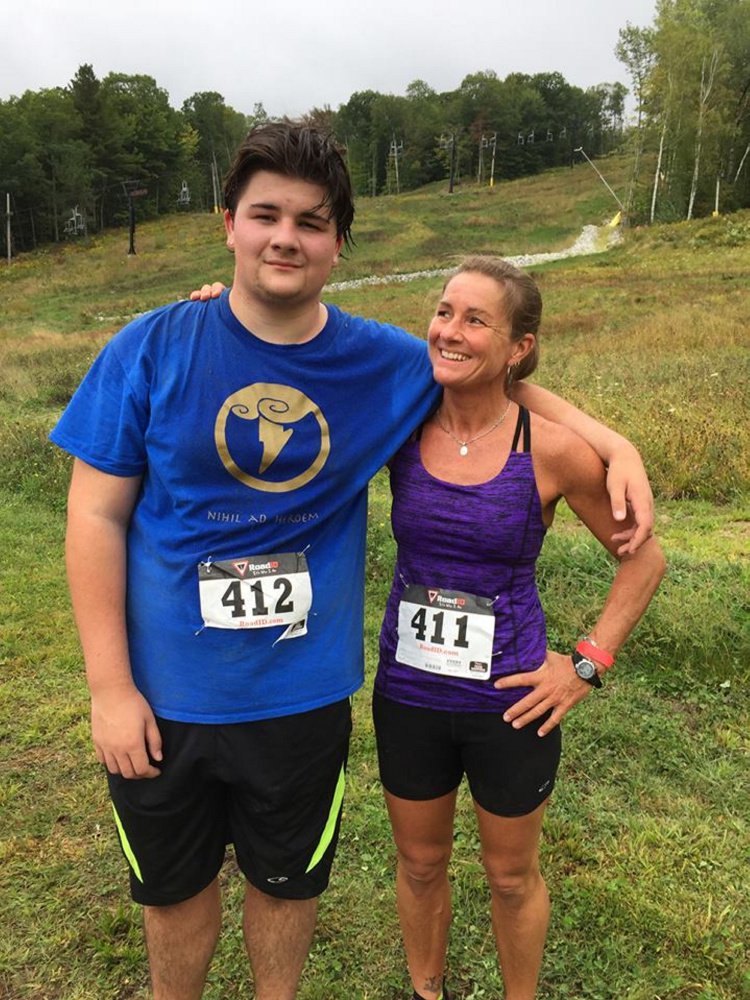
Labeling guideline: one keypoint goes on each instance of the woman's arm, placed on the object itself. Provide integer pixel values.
(627, 481)
(574, 471)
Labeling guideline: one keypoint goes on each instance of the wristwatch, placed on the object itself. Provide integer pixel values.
(586, 669)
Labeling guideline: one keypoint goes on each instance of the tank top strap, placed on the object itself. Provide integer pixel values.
(523, 423)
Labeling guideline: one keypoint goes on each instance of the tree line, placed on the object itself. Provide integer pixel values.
(690, 73)
(75, 158)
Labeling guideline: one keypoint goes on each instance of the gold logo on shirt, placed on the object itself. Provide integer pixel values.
(276, 408)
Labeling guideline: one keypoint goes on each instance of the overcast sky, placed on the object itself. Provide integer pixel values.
(295, 55)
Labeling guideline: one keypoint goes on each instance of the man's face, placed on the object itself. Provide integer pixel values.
(284, 241)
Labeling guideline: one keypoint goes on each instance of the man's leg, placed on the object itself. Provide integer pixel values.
(278, 934)
(181, 939)
(173, 832)
(520, 901)
(423, 832)
(285, 811)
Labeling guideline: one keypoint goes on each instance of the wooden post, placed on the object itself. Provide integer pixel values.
(7, 222)
(131, 221)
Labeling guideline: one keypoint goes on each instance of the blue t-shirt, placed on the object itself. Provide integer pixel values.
(246, 449)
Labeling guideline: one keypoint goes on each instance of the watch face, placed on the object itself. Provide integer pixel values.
(585, 669)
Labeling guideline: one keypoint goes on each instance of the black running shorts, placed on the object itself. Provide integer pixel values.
(273, 788)
(424, 753)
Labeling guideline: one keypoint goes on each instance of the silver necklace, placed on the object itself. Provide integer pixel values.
(463, 446)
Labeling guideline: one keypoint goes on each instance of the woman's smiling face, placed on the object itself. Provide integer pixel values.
(469, 335)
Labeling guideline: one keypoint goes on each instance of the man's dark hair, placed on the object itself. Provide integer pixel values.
(295, 151)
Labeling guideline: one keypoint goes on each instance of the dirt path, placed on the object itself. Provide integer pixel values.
(593, 239)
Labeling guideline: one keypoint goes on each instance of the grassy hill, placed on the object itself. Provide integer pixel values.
(647, 832)
(82, 286)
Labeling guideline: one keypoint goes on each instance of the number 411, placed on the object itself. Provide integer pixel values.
(420, 625)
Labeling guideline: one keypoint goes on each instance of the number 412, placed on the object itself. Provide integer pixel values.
(233, 598)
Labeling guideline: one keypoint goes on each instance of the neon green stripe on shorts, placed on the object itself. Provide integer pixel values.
(127, 849)
(333, 815)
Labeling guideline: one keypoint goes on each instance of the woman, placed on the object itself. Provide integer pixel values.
(465, 683)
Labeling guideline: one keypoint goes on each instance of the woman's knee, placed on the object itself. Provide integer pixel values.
(514, 886)
(424, 865)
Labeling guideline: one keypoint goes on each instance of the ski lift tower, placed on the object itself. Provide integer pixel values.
(396, 150)
(483, 144)
(487, 142)
(8, 214)
(133, 189)
(449, 142)
(493, 143)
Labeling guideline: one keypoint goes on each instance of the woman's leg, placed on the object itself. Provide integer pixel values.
(520, 901)
(423, 832)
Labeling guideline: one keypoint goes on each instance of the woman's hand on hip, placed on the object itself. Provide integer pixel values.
(556, 688)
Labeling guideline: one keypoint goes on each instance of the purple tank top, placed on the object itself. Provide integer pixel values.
(482, 540)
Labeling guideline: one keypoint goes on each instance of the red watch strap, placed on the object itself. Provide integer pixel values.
(594, 653)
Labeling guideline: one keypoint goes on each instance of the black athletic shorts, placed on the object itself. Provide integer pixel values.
(423, 754)
(273, 788)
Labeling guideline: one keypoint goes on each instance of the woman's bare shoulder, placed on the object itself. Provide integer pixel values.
(560, 450)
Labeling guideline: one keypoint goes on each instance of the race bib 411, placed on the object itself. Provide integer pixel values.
(445, 632)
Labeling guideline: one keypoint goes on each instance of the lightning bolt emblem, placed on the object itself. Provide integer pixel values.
(277, 408)
(273, 437)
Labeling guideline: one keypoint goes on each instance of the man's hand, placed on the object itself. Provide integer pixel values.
(206, 292)
(126, 737)
(556, 687)
(630, 490)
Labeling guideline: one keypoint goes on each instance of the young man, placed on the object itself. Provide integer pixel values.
(216, 559)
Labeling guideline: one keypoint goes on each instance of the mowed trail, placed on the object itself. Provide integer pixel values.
(592, 239)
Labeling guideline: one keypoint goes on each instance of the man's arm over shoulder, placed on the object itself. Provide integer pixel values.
(627, 482)
(100, 505)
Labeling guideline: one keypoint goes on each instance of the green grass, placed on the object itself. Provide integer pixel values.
(645, 845)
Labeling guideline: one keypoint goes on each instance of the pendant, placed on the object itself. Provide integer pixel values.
(463, 450)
